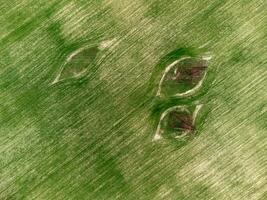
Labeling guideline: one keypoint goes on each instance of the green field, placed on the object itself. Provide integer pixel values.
(67, 136)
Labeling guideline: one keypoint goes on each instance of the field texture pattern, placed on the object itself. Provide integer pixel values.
(79, 124)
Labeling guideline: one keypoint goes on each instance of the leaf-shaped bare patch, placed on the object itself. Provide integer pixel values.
(183, 77)
(177, 122)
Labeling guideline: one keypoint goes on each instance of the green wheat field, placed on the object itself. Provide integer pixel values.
(84, 129)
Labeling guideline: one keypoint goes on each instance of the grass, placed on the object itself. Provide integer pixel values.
(91, 137)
